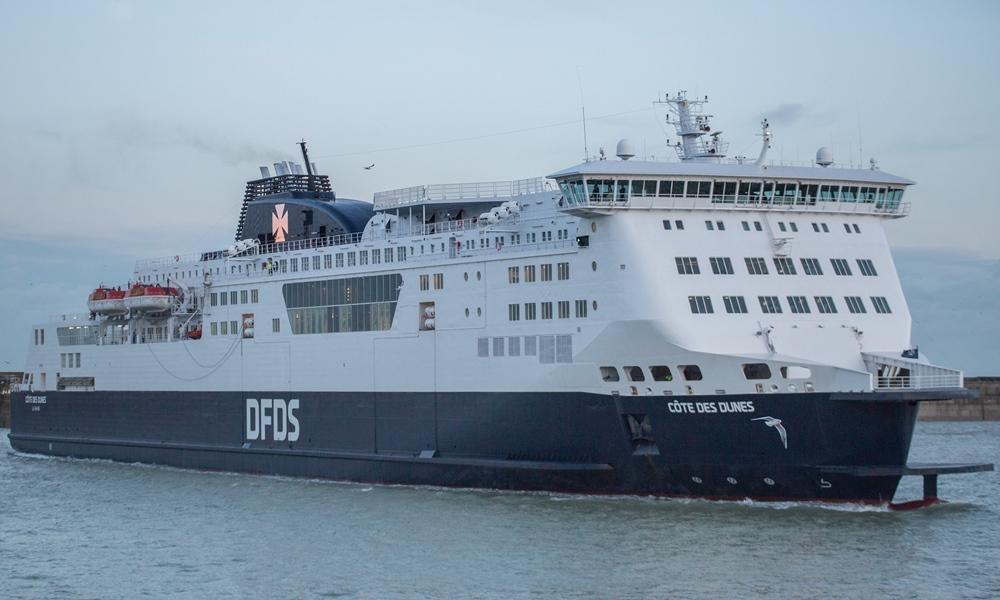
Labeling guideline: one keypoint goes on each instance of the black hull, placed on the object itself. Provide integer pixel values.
(693, 446)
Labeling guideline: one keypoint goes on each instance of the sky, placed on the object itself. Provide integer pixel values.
(128, 129)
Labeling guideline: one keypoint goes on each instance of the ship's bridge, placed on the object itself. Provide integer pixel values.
(602, 186)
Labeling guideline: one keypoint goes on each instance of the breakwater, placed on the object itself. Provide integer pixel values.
(984, 408)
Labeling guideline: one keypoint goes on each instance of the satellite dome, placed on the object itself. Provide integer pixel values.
(824, 157)
(625, 150)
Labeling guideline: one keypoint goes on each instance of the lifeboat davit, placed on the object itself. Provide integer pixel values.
(107, 301)
(150, 298)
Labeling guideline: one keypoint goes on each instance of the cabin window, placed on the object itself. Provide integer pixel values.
(352, 259)
(564, 309)
(514, 312)
(746, 225)
(661, 373)
(867, 267)
(757, 226)
(214, 299)
(609, 374)
(254, 296)
(327, 261)
(881, 305)
(581, 309)
(529, 311)
(756, 265)
(855, 304)
(810, 266)
(856, 228)
(700, 304)
(721, 265)
(439, 281)
(546, 310)
(756, 371)
(530, 345)
(244, 296)
(425, 282)
(691, 372)
(666, 224)
(232, 297)
(825, 304)
(687, 265)
(498, 346)
(563, 270)
(546, 272)
(840, 266)
(798, 304)
(634, 373)
(483, 347)
(769, 304)
(735, 304)
(784, 266)
(512, 274)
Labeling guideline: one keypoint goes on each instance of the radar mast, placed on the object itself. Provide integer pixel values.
(692, 125)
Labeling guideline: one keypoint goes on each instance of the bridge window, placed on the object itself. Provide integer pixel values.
(808, 193)
(644, 187)
(724, 191)
(749, 192)
(699, 189)
(600, 190)
(849, 194)
(672, 189)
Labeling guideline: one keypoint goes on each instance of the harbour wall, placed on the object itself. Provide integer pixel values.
(984, 408)
(7, 379)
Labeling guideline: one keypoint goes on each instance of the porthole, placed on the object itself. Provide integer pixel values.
(593, 265)
(467, 312)
(479, 275)
(593, 226)
(594, 304)
(479, 312)
(466, 275)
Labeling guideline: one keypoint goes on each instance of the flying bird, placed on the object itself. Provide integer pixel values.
(370, 167)
(776, 423)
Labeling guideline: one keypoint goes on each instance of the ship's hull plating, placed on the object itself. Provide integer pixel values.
(764, 446)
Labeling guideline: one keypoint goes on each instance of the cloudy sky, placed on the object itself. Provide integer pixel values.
(129, 128)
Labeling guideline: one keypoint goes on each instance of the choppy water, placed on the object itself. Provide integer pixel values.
(96, 529)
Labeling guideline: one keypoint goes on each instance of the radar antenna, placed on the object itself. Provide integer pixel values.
(692, 125)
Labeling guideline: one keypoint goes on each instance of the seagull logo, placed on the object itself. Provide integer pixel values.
(776, 423)
(279, 222)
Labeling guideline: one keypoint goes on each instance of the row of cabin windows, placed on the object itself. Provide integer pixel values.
(656, 372)
(790, 226)
(69, 360)
(756, 265)
(375, 256)
(545, 272)
(545, 310)
(425, 282)
(796, 304)
(234, 297)
(549, 349)
(223, 328)
(728, 191)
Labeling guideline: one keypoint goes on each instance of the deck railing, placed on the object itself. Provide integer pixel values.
(919, 382)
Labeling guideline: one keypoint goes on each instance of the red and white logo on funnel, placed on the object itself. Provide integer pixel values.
(279, 222)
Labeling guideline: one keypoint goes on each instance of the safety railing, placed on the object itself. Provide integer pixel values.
(457, 191)
(919, 382)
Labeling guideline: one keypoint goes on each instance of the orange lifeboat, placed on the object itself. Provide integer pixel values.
(107, 301)
(150, 298)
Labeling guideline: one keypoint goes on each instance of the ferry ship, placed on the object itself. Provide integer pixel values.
(705, 327)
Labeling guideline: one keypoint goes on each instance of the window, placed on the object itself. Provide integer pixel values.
(815, 227)
(825, 304)
(881, 305)
(439, 281)
(232, 297)
(223, 298)
(546, 272)
(708, 225)
(856, 228)
(514, 312)
(781, 226)
(784, 266)
(756, 371)
(678, 224)
(634, 373)
(847, 227)
(661, 373)
(376, 256)
(214, 299)
(840, 266)
(363, 258)
(529, 311)
(770, 304)
(232, 327)
(699, 189)
(340, 260)
(563, 270)
(798, 304)
(721, 265)
(305, 263)
(214, 328)
(352, 259)
(793, 227)
(514, 345)
(674, 189)
(244, 296)
(867, 267)
(224, 327)
(483, 347)
(758, 226)
(825, 228)
(720, 225)
(563, 309)
(756, 266)
(855, 304)
(425, 282)
(327, 261)
(746, 225)
(666, 224)
(530, 345)
(295, 265)
(389, 255)
(735, 304)
(254, 296)
(358, 303)
(529, 273)
(401, 253)
(691, 372)
(513, 274)
(498, 346)
(700, 304)
(546, 310)
(581, 309)
(810, 266)
(687, 265)
(609, 374)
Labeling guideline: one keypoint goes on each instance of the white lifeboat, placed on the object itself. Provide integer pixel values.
(150, 298)
(107, 301)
